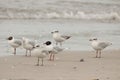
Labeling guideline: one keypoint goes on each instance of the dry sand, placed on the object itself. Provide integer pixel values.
(67, 66)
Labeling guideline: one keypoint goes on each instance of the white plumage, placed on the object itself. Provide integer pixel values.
(52, 49)
(15, 43)
(98, 46)
(59, 38)
(28, 45)
(40, 52)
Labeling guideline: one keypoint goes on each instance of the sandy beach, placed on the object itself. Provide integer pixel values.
(81, 20)
(67, 66)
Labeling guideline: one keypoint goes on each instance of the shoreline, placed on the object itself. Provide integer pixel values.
(68, 50)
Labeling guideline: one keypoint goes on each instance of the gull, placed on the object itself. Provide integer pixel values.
(98, 46)
(39, 52)
(59, 38)
(52, 49)
(15, 43)
(28, 45)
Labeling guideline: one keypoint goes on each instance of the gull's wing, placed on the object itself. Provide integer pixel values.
(58, 49)
(103, 44)
(31, 43)
(65, 37)
(18, 42)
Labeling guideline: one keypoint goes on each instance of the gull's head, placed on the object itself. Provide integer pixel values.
(10, 38)
(93, 39)
(48, 43)
(55, 31)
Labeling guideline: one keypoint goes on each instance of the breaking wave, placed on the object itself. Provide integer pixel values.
(61, 10)
(59, 15)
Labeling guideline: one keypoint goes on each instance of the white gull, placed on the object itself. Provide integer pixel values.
(15, 43)
(28, 45)
(59, 38)
(39, 52)
(52, 49)
(98, 46)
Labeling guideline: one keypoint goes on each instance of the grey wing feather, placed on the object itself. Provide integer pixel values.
(58, 49)
(103, 44)
(18, 42)
(32, 43)
(66, 37)
(45, 51)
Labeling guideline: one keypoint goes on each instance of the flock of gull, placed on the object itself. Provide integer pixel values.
(48, 49)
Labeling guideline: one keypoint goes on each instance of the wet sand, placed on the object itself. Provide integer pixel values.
(67, 66)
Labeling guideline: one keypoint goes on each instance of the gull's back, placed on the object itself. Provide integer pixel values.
(99, 45)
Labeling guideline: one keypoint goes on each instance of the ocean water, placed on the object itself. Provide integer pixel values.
(40, 30)
(81, 19)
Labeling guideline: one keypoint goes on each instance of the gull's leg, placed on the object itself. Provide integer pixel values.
(26, 53)
(100, 54)
(30, 52)
(96, 53)
(53, 57)
(50, 56)
(37, 62)
(42, 62)
(14, 51)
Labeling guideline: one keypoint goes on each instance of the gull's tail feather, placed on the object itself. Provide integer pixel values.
(68, 37)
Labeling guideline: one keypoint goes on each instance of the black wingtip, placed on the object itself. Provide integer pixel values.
(68, 37)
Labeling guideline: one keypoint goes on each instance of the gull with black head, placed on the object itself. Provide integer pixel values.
(52, 50)
(15, 43)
